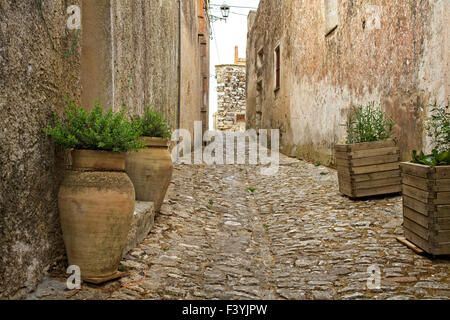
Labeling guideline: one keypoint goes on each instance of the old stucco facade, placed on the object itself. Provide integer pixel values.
(127, 54)
(335, 53)
(194, 65)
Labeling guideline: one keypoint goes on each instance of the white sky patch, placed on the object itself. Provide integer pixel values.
(226, 36)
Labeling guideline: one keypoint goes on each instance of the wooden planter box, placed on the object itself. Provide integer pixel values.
(426, 207)
(368, 169)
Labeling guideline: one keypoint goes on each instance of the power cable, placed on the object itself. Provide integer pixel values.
(215, 41)
(50, 37)
(220, 5)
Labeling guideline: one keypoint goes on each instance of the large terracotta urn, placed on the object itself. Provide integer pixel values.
(151, 169)
(96, 204)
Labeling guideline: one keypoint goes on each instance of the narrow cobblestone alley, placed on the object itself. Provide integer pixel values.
(293, 237)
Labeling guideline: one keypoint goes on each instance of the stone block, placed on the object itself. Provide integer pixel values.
(143, 220)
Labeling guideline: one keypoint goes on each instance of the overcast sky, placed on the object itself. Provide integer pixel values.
(226, 35)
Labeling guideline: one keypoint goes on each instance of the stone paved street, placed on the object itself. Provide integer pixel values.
(293, 237)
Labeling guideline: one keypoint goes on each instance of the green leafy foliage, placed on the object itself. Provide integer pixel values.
(367, 124)
(438, 128)
(251, 189)
(434, 159)
(153, 124)
(95, 130)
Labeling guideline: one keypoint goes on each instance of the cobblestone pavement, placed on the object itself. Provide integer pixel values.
(293, 237)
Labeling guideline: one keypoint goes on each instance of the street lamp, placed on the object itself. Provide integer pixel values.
(225, 10)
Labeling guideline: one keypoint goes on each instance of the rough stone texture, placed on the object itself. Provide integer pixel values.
(295, 237)
(143, 220)
(97, 54)
(145, 56)
(230, 97)
(127, 54)
(144, 51)
(33, 82)
(403, 65)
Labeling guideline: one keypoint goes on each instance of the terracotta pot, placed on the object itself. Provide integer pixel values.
(151, 170)
(96, 205)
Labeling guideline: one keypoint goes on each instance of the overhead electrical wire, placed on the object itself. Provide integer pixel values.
(215, 41)
(241, 7)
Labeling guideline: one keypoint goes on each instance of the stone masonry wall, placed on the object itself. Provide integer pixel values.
(127, 54)
(230, 97)
(33, 81)
(392, 52)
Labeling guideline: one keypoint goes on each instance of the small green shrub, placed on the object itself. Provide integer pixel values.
(95, 130)
(438, 128)
(153, 124)
(434, 159)
(367, 124)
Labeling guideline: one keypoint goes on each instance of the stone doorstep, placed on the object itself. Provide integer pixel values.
(143, 220)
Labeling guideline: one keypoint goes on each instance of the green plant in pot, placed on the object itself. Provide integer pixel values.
(368, 124)
(438, 129)
(151, 168)
(96, 198)
(368, 164)
(426, 188)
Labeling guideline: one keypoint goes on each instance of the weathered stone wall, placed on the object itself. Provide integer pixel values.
(33, 81)
(231, 97)
(194, 65)
(145, 56)
(138, 65)
(127, 54)
(402, 65)
(131, 57)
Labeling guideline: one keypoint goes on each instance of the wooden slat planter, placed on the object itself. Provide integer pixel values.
(368, 169)
(426, 207)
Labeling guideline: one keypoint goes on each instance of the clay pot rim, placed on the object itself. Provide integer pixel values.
(102, 151)
(102, 161)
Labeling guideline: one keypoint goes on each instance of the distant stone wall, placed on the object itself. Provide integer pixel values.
(230, 97)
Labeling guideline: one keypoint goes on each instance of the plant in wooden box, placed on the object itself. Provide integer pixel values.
(151, 168)
(426, 189)
(368, 164)
(96, 198)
